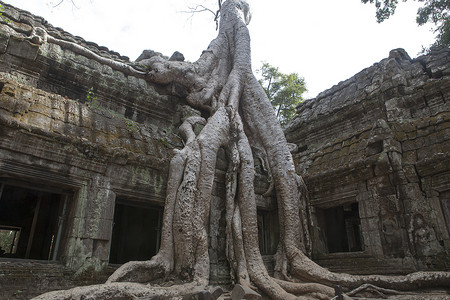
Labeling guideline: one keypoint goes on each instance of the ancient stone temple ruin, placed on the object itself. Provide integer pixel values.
(85, 146)
(375, 153)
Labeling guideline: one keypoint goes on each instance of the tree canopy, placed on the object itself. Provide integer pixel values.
(433, 11)
(283, 90)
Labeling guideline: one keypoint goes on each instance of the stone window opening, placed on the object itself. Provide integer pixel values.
(341, 228)
(136, 233)
(31, 221)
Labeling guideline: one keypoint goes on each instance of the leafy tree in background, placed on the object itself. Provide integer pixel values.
(283, 90)
(433, 11)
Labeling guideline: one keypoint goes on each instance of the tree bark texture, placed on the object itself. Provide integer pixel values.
(240, 117)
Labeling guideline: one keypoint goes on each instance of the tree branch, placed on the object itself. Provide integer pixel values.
(61, 1)
(199, 8)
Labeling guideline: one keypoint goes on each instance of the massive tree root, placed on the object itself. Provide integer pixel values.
(221, 84)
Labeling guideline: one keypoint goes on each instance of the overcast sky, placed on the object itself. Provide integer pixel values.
(324, 41)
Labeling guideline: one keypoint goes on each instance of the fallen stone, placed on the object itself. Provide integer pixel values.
(177, 56)
(216, 292)
(242, 292)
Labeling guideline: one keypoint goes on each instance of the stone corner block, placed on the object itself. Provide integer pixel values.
(242, 292)
(216, 292)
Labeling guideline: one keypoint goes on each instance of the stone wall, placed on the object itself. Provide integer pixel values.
(57, 62)
(59, 142)
(380, 141)
(75, 124)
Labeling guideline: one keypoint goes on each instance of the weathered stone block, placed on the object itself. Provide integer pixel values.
(72, 118)
(413, 191)
(99, 124)
(41, 109)
(84, 132)
(242, 292)
(21, 107)
(370, 206)
(57, 102)
(38, 120)
(7, 103)
(57, 114)
(216, 292)
(409, 157)
(410, 173)
(101, 249)
(70, 129)
(443, 134)
(4, 40)
(409, 145)
(411, 135)
(372, 241)
(22, 48)
(428, 152)
(425, 131)
(383, 165)
(99, 229)
(72, 107)
(400, 135)
(57, 126)
(78, 225)
(370, 224)
(100, 140)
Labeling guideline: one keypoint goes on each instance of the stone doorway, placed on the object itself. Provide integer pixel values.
(268, 231)
(342, 228)
(31, 221)
(136, 231)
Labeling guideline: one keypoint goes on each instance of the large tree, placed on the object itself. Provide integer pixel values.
(283, 90)
(433, 11)
(239, 117)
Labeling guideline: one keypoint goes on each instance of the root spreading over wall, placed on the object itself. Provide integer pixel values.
(239, 118)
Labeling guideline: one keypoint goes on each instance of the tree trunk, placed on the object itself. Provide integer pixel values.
(222, 83)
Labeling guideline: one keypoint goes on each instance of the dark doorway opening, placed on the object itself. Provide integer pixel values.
(136, 233)
(444, 198)
(268, 231)
(342, 228)
(30, 223)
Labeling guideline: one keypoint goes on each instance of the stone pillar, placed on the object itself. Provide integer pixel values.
(90, 226)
